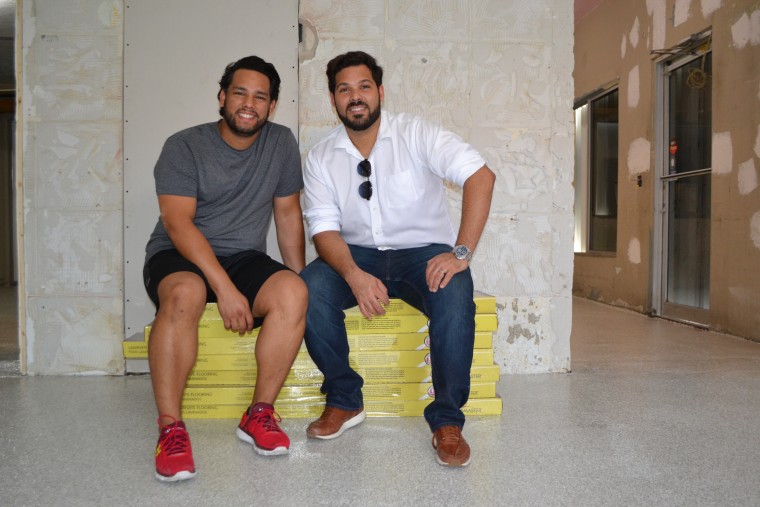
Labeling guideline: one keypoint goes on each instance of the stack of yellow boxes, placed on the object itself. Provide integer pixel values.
(391, 353)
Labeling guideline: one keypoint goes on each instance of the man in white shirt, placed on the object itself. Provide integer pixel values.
(375, 203)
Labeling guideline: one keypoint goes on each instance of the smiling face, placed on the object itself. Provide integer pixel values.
(245, 107)
(357, 98)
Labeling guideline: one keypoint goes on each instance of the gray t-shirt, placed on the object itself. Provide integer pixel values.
(233, 189)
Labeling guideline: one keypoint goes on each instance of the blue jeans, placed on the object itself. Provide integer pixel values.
(451, 312)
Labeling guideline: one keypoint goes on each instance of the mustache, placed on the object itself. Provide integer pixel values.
(357, 103)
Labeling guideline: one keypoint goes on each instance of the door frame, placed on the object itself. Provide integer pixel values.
(660, 306)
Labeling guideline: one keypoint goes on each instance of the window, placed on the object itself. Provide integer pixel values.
(596, 172)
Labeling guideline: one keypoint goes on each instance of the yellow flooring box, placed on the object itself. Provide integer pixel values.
(374, 408)
(359, 359)
(374, 375)
(232, 395)
(355, 324)
(197, 377)
(484, 303)
(406, 341)
(234, 344)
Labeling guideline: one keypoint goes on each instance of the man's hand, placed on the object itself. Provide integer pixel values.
(370, 293)
(441, 268)
(235, 311)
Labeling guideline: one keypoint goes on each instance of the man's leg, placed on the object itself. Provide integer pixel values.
(279, 298)
(452, 335)
(327, 342)
(173, 342)
(451, 311)
(172, 349)
(282, 302)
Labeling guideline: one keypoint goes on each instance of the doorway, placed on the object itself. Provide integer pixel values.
(9, 335)
(683, 195)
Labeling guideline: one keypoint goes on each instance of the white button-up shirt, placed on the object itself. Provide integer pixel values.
(410, 160)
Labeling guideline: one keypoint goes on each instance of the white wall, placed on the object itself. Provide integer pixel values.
(499, 72)
(185, 94)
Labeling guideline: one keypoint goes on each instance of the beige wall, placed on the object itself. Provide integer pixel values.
(614, 42)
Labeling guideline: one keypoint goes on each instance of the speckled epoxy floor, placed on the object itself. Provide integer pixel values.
(654, 413)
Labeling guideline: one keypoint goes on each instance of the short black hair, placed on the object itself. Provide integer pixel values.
(251, 63)
(352, 59)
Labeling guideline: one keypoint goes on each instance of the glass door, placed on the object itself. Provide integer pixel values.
(685, 189)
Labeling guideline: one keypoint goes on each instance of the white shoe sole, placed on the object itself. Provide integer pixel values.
(179, 476)
(354, 421)
(441, 462)
(245, 437)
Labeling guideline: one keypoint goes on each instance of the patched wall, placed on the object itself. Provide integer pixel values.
(620, 41)
(499, 73)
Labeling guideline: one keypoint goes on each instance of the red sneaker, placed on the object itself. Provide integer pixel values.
(174, 455)
(259, 428)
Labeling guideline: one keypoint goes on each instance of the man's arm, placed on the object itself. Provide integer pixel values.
(177, 213)
(288, 220)
(370, 293)
(476, 204)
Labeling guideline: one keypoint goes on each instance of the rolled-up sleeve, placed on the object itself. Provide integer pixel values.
(320, 203)
(449, 156)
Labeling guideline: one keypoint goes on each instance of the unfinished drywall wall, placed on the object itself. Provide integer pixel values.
(625, 279)
(70, 118)
(498, 73)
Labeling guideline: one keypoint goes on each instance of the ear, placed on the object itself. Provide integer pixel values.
(272, 106)
(222, 97)
(381, 91)
(332, 100)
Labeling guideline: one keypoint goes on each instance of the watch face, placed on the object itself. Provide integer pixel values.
(461, 252)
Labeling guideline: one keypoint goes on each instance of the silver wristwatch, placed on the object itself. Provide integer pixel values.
(463, 253)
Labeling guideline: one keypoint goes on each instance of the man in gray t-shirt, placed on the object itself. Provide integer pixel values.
(218, 186)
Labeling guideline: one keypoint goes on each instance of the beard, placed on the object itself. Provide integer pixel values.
(360, 124)
(236, 128)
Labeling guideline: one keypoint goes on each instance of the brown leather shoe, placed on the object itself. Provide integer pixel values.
(334, 421)
(452, 448)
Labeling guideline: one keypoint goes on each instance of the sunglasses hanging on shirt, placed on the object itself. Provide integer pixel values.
(365, 170)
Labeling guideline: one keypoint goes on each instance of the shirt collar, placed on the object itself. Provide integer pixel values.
(343, 142)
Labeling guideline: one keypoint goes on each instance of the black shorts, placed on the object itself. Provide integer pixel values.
(248, 270)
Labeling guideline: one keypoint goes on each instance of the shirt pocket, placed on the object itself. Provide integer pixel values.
(400, 190)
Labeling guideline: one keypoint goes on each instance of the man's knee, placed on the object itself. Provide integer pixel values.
(284, 291)
(182, 294)
(296, 291)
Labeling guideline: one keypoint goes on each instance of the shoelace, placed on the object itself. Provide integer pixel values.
(268, 419)
(175, 439)
(448, 433)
